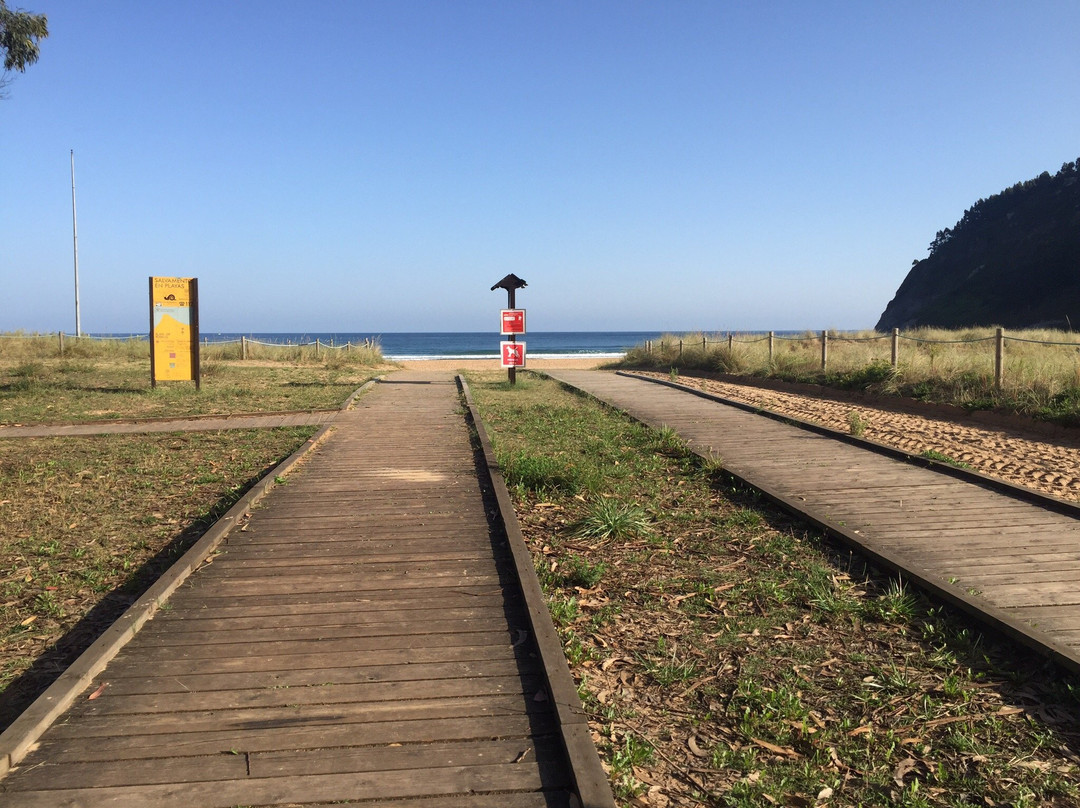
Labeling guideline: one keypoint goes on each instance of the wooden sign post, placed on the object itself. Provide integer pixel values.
(512, 324)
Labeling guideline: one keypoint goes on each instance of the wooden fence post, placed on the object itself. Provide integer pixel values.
(316, 348)
(243, 347)
(895, 346)
(729, 341)
(824, 350)
(680, 349)
(61, 335)
(999, 358)
(772, 336)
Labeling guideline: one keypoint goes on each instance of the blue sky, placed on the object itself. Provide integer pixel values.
(377, 166)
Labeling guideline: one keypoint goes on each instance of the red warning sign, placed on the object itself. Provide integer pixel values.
(513, 321)
(513, 354)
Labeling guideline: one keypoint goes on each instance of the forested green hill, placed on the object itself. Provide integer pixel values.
(1013, 260)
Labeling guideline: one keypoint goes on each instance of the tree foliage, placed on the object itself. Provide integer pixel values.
(20, 35)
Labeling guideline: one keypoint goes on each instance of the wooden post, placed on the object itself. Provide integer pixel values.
(729, 341)
(60, 334)
(824, 350)
(680, 349)
(772, 336)
(999, 358)
(316, 347)
(895, 346)
(243, 347)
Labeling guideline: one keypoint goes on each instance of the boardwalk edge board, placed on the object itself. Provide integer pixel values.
(989, 615)
(590, 780)
(18, 739)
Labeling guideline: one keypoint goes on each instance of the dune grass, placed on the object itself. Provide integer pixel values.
(101, 380)
(1040, 368)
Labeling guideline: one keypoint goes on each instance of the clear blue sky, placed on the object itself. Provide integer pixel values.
(377, 166)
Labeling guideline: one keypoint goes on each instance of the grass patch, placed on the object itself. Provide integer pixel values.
(94, 381)
(731, 657)
(941, 457)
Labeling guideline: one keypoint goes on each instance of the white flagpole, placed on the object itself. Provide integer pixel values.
(75, 240)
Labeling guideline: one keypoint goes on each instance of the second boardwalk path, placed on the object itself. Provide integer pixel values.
(1008, 561)
(362, 637)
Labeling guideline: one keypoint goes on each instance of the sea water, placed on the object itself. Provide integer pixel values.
(466, 344)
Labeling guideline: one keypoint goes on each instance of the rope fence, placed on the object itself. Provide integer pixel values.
(824, 339)
(243, 342)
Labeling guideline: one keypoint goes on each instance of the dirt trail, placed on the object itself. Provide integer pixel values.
(1017, 454)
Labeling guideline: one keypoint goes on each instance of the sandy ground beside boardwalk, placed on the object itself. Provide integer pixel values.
(493, 364)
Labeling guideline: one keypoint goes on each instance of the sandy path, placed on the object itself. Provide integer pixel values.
(493, 364)
(1021, 456)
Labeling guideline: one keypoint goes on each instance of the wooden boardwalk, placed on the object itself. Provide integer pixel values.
(362, 637)
(1007, 560)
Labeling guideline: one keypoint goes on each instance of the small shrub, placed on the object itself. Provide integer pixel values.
(857, 423)
(611, 519)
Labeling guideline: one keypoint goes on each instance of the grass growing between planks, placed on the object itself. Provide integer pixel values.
(89, 523)
(728, 656)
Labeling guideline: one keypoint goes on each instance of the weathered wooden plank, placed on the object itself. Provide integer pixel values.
(471, 660)
(368, 605)
(228, 629)
(457, 780)
(85, 725)
(293, 763)
(488, 678)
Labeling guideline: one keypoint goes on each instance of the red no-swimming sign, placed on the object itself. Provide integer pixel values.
(513, 321)
(513, 354)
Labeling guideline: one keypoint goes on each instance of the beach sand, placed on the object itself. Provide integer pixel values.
(493, 364)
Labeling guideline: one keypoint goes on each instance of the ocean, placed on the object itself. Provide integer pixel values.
(467, 344)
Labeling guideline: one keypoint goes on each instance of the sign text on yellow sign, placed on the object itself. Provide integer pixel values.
(174, 329)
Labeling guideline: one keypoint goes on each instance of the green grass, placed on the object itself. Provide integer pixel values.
(933, 454)
(614, 520)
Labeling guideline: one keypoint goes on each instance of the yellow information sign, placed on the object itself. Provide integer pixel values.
(174, 329)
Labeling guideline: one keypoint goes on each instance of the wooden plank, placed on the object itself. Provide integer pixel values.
(214, 627)
(487, 678)
(469, 661)
(292, 763)
(87, 725)
(455, 780)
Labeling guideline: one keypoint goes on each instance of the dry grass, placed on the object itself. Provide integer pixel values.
(1040, 369)
(101, 381)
